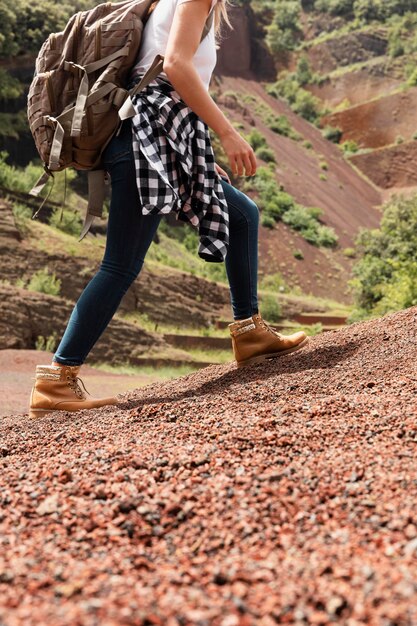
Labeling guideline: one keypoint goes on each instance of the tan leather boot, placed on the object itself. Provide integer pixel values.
(58, 388)
(254, 341)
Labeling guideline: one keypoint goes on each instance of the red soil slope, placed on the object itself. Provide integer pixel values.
(284, 493)
(393, 167)
(380, 122)
(356, 86)
(348, 200)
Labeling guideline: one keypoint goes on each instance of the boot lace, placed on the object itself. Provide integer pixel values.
(270, 330)
(74, 383)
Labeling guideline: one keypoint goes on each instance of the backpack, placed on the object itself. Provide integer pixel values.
(78, 95)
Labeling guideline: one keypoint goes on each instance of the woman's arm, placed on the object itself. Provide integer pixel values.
(184, 39)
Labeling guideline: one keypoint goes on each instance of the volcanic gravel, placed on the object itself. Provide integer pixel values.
(284, 493)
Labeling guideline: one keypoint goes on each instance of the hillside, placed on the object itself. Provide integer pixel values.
(348, 201)
(334, 138)
(308, 167)
(285, 493)
(364, 76)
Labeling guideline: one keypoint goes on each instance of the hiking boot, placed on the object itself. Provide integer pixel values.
(58, 388)
(254, 341)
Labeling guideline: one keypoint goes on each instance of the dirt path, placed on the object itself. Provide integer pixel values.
(282, 494)
(17, 371)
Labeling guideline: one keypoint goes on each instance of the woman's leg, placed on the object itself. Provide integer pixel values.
(129, 236)
(242, 255)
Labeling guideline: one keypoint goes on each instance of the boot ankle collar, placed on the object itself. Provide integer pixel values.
(242, 326)
(56, 372)
(48, 372)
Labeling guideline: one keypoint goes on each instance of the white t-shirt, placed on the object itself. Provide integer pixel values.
(155, 39)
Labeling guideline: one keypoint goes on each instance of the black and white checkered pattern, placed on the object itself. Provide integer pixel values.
(175, 166)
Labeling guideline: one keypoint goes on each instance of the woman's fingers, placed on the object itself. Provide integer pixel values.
(248, 165)
(243, 164)
(241, 156)
(254, 164)
(239, 163)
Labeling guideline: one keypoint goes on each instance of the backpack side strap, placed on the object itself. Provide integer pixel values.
(96, 182)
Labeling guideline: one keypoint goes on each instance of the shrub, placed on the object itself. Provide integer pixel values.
(44, 282)
(266, 154)
(267, 220)
(285, 200)
(276, 204)
(303, 72)
(324, 165)
(350, 253)
(191, 240)
(307, 105)
(326, 236)
(322, 176)
(301, 219)
(349, 146)
(307, 144)
(298, 254)
(46, 343)
(68, 221)
(300, 100)
(332, 134)
(273, 282)
(399, 139)
(395, 45)
(256, 139)
(271, 310)
(22, 214)
(313, 329)
(281, 125)
(273, 209)
(298, 218)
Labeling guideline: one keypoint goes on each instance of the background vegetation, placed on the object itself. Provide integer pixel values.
(386, 274)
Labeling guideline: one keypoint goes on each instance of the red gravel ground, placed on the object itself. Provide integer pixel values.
(281, 494)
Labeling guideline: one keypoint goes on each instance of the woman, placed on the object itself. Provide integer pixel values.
(163, 161)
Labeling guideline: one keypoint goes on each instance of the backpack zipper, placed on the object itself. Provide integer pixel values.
(50, 90)
(98, 41)
(75, 39)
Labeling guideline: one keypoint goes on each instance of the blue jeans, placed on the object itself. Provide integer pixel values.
(129, 236)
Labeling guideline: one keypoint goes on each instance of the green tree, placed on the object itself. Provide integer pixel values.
(386, 274)
(24, 25)
(285, 31)
(335, 7)
(303, 73)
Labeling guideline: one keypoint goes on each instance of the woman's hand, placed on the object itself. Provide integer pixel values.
(222, 173)
(241, 156)
(184, 39)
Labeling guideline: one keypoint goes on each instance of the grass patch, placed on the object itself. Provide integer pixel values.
(143, 320)
(44, 282)
(155, 374)
(278, 205)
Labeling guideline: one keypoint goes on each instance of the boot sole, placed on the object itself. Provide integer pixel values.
(34, 413)
(273, 355)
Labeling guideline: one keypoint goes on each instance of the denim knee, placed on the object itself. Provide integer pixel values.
(125, 275)
(243, 211)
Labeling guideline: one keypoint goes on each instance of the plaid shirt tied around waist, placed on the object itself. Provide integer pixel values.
(175, 166)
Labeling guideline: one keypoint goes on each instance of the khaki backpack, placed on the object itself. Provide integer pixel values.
(78, 95)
